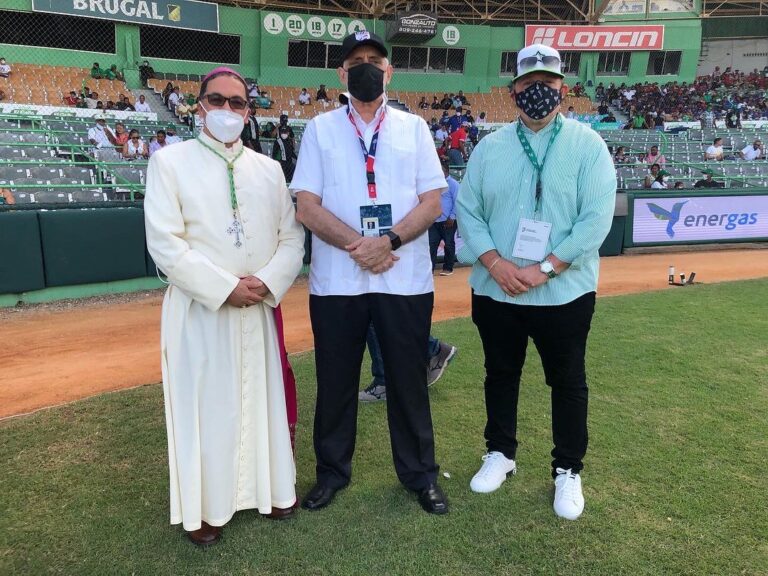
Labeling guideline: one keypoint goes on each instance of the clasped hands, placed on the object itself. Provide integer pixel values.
(249, 290)
(515, 280)
(372, 253)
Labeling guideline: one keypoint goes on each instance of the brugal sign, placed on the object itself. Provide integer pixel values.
(412, 26)
(186, 14)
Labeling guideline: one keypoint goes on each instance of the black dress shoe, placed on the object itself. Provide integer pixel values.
(319, 497)
(433, 500)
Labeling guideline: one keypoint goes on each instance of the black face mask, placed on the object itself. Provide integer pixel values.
(538, 100)
(365, 82)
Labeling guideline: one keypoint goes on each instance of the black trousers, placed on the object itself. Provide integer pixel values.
(437, 232)
(402, 323)
(560, 336)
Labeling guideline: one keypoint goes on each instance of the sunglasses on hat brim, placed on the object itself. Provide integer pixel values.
(533, 62)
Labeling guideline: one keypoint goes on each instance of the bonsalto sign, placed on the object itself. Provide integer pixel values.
(186, 14)
(596, 38)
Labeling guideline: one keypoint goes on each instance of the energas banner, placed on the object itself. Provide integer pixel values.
(685, 219)
(596, 38)
(186, 14)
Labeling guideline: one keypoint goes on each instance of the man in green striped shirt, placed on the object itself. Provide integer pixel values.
(534, 207)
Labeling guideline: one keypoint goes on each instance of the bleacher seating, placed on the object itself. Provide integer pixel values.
(48, 85)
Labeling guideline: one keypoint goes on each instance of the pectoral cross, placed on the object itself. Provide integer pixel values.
(236, 229)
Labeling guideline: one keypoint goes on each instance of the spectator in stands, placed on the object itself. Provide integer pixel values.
(658, 121)
(446, 103)
(679, 185)
(160, 141)
(455, 121)
(253, 90)
(461, 98)
(423, 104)
(100, 105)
(651, 176)
(269, 129)
(146, 72)
(6, 196)
(92, 100)
(174, 98)
(322, 95)
(708, 119)
(602, 110)
(441, 134)
(660, 182)
(250, 134)
(442, 151)
(284, 124)
(638, 121)
(96, 71)
(70, 100)
(101, 135)
(135, 148)
(304, 97)
(473, 134)
(121, 135)
(457, 153)
(714, 152)
(621, 157)
(610, 118)
(127, 106)
(166, 93)
(733, 118)
(263, 101)
(284, 151)
(435, 103)
(434, 125)
(707, 181)
(170, 134)
(600, 92)
(186, 108)
(468, 116)
(578, 90)
(141, 105)
(5, 69)
(109, 105)
(482, 121)
(654, 157)
(754, 152)
(571, 114)
(113, 73)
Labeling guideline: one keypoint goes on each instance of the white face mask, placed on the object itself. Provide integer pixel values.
(284, 136)
(225, 125)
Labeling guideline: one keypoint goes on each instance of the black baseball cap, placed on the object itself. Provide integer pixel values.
(362, 38)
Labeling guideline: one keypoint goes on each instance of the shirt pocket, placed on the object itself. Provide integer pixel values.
(403, 168)
(334, 168)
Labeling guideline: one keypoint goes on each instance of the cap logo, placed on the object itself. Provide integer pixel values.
(361, 35)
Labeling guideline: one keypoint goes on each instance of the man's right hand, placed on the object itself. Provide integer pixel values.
(246, 293)
(509, 277)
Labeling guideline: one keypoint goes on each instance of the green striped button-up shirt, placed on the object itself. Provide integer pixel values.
(578, 199)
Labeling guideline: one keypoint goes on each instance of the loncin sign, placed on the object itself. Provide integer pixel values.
(596, 38)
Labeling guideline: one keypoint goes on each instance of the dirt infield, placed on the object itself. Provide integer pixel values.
(50, 358)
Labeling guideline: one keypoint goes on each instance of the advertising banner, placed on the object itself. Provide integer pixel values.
(665, 219)
(412, 26)
(596, 38)
(185, 14)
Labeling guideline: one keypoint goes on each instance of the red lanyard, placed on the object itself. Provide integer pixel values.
(369, 154)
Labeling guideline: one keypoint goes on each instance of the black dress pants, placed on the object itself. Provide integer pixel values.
(402, 324)
(560, 336)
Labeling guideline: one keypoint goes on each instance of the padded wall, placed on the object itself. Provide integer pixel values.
(86, 246)
(21, 262)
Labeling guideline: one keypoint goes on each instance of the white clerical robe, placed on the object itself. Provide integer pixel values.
(229, 446)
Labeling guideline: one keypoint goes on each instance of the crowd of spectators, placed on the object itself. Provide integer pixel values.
(111, 73)
(721, 99)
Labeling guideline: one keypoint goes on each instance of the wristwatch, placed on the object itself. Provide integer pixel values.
(394, 239)
(547, 268)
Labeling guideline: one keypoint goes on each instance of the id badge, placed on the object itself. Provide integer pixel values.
(375, 220)
(531, 240)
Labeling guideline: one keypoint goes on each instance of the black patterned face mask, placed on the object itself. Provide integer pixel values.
(538, 100)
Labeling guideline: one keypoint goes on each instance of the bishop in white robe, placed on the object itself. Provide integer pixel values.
(229, 446)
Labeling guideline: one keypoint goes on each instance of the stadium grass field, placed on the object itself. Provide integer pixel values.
(674, 479)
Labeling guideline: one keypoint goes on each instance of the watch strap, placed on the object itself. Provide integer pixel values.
(394, 239)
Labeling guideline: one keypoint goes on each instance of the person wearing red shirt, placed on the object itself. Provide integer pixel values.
(70, 100)
(457, 155)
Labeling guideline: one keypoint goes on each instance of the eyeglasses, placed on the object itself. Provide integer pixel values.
(235, 102)
(533, 61)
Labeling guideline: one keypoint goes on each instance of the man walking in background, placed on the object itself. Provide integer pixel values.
(534, 207)
(444, 228)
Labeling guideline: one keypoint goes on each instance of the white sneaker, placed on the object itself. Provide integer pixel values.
(495, 469)
(569, 501)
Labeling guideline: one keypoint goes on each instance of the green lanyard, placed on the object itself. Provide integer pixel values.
(532, 155)
(230, 172)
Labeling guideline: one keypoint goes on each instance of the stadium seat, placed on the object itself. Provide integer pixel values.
(51, 197)
(92, 195)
